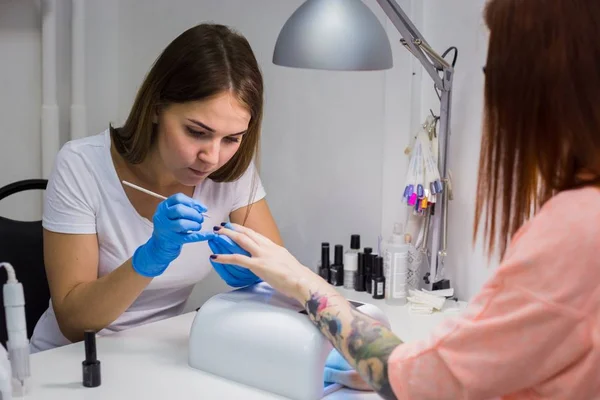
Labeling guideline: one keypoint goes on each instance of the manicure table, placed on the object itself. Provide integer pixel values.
(150, 362)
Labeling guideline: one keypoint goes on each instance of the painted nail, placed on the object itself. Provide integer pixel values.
(223, 223)
(213, 256)
(216, 228)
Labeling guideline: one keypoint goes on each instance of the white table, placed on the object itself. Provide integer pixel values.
(150, 363)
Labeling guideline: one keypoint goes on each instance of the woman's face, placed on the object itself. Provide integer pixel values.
(197, 138)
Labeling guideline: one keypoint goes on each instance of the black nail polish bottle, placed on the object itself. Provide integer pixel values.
(91, 365)
(369, 263)
(324, 270)
(359, 285)
(336, 272)
(378, 281)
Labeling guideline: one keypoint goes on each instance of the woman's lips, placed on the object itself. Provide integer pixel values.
(198, 173)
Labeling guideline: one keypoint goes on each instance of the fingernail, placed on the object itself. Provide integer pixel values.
(223, 223)
(213, 257)
(216, 228)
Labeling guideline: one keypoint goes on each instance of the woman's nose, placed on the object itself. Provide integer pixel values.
(209, 154)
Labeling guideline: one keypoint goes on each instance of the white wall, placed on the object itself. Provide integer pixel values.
(101, 63)
(21, 96)
(354, 126)
(20, 99)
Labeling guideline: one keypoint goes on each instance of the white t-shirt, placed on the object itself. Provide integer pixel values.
(84, 196)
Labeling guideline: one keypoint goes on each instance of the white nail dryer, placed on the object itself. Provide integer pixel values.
(258, 337)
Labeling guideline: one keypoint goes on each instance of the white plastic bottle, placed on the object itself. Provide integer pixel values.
(351, 262)
(396, 266)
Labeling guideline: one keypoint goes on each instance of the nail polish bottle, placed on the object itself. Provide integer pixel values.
(91, 365)
(369, 263)
(337, 269)
(378, 281)
(324, 270)
(368, 267)
(359, 285)
(351, 262)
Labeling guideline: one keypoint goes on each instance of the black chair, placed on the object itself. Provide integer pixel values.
(21, 245)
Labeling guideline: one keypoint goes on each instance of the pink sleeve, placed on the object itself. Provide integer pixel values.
(483, 354)
(529, 322)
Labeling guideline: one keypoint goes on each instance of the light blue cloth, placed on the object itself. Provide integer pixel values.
(335, 362)
(233, 275)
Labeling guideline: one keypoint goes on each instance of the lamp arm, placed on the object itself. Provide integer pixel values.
(440, 221)
(433, 64)
(416, 43)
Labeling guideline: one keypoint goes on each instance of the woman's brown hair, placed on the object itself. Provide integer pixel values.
(202, 62)
(542, 109)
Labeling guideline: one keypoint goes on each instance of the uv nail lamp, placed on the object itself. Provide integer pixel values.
(260, 338)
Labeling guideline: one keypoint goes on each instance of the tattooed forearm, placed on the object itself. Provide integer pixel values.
(365, 343)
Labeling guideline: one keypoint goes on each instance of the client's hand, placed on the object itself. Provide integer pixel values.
(337, 370)
(269, 261)
(233, 275)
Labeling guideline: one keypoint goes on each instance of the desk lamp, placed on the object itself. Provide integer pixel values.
(345, 35)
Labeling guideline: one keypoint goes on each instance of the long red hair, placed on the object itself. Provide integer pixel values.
(542, 109)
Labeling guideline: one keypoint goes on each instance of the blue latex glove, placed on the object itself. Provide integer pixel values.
(338, 370)
(233, 275)
(177, 221)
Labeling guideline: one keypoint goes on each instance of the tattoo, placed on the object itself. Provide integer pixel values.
(366, 343)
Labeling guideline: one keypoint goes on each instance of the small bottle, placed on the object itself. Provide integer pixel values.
(91, 365)
(396, 267)
(369, 266)
(351, 262)
(378, 281)
(359, 284)
(336, 272)
(324, 267)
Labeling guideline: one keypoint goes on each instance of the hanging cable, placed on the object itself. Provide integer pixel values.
(455, 55)
(454, 60)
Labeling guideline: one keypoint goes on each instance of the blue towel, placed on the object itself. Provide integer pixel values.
(335, 362)
(338, 370)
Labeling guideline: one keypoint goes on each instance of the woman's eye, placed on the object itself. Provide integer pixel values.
(202, 134)
(232, 139)
(195, 132)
